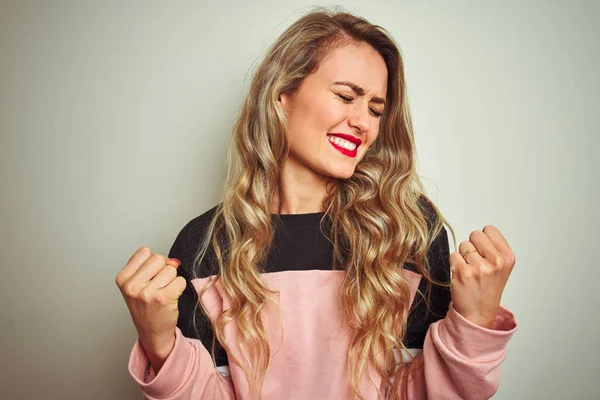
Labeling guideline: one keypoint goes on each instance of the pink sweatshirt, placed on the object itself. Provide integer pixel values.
(459, 360)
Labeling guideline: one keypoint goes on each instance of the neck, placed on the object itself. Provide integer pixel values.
(303, 190)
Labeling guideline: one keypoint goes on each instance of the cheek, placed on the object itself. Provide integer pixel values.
(374, 134)
(332, 114)
(318, 116)
(326, 108)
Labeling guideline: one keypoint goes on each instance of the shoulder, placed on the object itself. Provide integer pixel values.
(188, 240)
(428, 209)
(436, 297)
(194, 230)
(431, 214)
(439, 251)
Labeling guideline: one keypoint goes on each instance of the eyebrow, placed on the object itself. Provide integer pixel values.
(359, 91)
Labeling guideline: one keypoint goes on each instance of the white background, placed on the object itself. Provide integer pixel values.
(114, 118)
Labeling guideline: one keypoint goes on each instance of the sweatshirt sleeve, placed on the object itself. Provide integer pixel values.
(188, 371)
(460, 359)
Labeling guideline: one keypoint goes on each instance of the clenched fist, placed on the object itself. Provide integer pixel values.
(480, 270)
(151, 288)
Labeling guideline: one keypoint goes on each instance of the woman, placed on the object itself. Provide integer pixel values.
(325, 269)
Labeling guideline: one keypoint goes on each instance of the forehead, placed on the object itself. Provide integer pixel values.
(358, 63)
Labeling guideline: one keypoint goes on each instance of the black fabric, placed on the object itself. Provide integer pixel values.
(299, 244)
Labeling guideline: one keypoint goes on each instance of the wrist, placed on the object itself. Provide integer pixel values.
(158, 348)
(486, 320)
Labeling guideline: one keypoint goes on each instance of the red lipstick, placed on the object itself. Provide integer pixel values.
(350, 138)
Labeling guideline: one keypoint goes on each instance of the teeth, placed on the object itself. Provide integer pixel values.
(342, 142)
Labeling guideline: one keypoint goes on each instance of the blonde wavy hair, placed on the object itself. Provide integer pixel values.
(377, 219)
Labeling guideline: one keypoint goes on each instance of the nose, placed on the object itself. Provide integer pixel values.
(359, 117)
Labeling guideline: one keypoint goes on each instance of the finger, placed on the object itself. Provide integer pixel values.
(149, 269)
(484, 245)
(457, 267)
(497, 239)
(455, 260)
(473, 258)
(133, 264)
(174, 262)
(163, 278)
(175, 289)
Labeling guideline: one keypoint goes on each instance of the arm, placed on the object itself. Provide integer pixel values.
(188, 371)
(460, 360)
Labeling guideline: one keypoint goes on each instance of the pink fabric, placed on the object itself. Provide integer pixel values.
(460, 360)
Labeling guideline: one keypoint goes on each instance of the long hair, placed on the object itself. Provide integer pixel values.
(376, 217)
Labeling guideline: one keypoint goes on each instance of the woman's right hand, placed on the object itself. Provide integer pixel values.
(151, 289)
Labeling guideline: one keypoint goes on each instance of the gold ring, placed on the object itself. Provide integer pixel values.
(469, 251)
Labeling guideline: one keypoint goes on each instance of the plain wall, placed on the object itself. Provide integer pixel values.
(114, 118)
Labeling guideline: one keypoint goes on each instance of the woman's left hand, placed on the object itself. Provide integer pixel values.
(479, 277)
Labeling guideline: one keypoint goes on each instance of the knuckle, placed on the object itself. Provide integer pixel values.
(458, 269)
(147, 295)
(182, 282)
(171, 270)
(464, 275)
(498, 262)
(487, 270)
(130, 289)
(141, 253)
(455, 257)
(160, 258)
(475, 234)
(511, 259)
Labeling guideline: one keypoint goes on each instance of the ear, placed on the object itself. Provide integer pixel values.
(283, 100)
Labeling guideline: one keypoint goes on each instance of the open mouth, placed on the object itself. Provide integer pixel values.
(344, 146)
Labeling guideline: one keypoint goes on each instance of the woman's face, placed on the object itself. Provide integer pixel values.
(345, 97)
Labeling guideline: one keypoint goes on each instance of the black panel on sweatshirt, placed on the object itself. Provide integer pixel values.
(299, 244)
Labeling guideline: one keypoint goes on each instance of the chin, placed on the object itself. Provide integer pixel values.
(344, 173)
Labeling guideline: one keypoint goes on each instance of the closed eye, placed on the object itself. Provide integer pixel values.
(349, 99)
